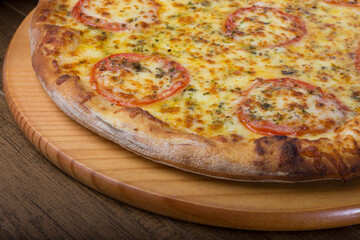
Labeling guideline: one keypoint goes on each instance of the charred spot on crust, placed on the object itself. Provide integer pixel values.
(62, 79)
(55, 65)
(236, 138)
(289, 155)
(259, 163)
(44, 14)
(66, 77)
(220, 138)
(258, 148)
(86, 97)
(41, 18)
(135, 111)
(69, 86)
(280, 137)
(263, 143)
(283, 148)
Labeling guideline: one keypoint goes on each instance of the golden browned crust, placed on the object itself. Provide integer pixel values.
(277, 158)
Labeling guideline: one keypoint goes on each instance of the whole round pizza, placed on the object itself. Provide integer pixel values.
(237, 89)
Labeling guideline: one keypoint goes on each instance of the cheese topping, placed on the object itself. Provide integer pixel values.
(117, 15)
(258, 27)
(345, 2)
(290, 107)
(222, 67)
(129, 79)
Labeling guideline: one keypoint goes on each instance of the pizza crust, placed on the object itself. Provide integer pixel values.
(277, 158)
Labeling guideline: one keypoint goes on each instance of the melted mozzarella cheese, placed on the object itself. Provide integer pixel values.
(260, 27)
(129, 12)
(143, 79)
(192, 34)
(293, 106)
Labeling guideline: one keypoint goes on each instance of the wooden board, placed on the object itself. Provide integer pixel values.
(107, 168)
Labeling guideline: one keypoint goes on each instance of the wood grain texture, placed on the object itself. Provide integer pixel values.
(38, 202)
(129, 178)
(8, 28)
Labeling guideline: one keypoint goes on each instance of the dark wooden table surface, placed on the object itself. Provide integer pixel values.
(38, 201)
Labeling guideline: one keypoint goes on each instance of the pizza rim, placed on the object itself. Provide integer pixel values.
(291, 159)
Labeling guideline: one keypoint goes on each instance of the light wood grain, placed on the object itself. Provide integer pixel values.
(122, 175)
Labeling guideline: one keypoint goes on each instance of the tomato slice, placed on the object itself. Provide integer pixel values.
(289, 107)
(131, 79)
(264, 27)
(112, 16)
(344, 2)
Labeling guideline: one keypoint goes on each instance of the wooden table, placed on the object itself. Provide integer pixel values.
(37, 200)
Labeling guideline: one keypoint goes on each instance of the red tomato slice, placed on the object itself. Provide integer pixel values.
(289, 107)
(104, 21)
(260, 26)
(354, 3)
(131, 79)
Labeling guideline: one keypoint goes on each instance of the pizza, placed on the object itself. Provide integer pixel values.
(235, 89)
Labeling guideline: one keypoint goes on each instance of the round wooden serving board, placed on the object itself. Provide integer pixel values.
(107, 168)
